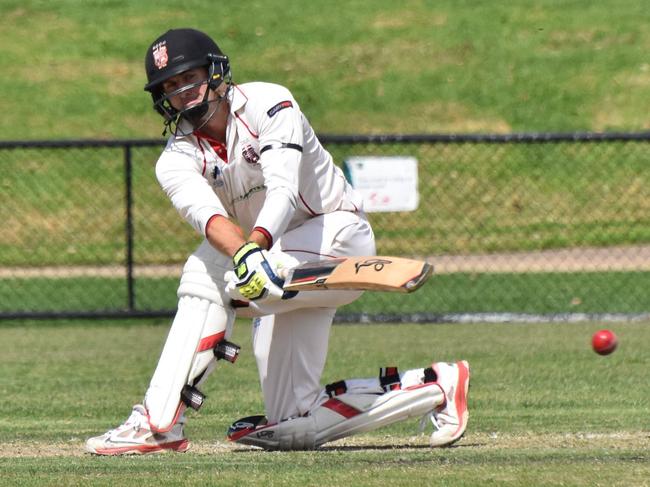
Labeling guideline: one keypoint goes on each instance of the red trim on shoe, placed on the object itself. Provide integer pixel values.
(245, 432)
(460, 395)
(180, 446)
(341, 408)
(239, 434)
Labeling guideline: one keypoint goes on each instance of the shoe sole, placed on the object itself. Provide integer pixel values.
(460, 401)
(180, 446)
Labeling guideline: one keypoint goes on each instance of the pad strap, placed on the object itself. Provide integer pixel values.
(430, 375)
(389, 379)
(336, 388)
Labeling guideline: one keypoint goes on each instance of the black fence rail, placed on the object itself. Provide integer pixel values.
(519, 227)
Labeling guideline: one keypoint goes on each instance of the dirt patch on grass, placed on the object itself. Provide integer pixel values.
(631, 258)
(616, 440)
(15, 449)
(76, 448)
(499, 441)
(483, 441)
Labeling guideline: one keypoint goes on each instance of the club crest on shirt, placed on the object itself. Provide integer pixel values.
(280, 106)
(249, 154)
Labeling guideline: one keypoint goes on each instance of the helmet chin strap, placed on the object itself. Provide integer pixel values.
(198, 115)
(195, 113)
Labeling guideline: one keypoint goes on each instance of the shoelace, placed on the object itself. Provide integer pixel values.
(423, 422)
(134, 421)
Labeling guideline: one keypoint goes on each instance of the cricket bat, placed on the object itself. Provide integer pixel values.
(371, 273)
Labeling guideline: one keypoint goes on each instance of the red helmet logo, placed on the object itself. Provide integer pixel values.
(160, 56)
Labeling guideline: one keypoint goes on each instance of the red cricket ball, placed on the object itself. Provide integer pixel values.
(604, 342)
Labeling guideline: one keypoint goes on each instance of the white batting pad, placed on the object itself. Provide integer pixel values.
(340, 416)
(188, 355)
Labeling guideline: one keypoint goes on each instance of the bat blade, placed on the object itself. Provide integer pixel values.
(370, 273)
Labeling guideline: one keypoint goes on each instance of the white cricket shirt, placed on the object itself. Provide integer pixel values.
(274, 174)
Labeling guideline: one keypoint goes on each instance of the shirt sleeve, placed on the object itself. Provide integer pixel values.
(279, 122)
(181, 177)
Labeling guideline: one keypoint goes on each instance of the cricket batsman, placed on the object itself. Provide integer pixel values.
(243, 166)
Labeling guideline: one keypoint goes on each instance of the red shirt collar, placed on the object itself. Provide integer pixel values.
(218, 147)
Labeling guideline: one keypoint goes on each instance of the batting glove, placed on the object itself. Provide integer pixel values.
(254, 278)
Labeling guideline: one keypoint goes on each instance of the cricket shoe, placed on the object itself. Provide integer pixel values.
(450, 420)
(135, 437)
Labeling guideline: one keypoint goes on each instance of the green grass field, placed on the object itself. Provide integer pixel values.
(442, 66)
(536, 293)
(545, 409)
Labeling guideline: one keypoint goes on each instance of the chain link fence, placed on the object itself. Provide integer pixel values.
(518, 227)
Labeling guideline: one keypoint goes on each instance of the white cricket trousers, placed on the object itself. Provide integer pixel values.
(290, 337)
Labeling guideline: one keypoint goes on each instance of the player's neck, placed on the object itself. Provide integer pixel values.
(215, 128)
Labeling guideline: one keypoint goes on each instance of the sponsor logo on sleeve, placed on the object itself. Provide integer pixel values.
(280, 106)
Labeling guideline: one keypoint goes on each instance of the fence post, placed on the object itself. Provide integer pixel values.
(128, 180)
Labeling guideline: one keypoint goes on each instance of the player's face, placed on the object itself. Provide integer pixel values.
(194, 80)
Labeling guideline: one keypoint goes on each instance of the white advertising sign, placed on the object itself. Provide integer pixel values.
(386, 183)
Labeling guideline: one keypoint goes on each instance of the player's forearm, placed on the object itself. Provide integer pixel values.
(227, 237)
(260, 238)
(224, 235)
